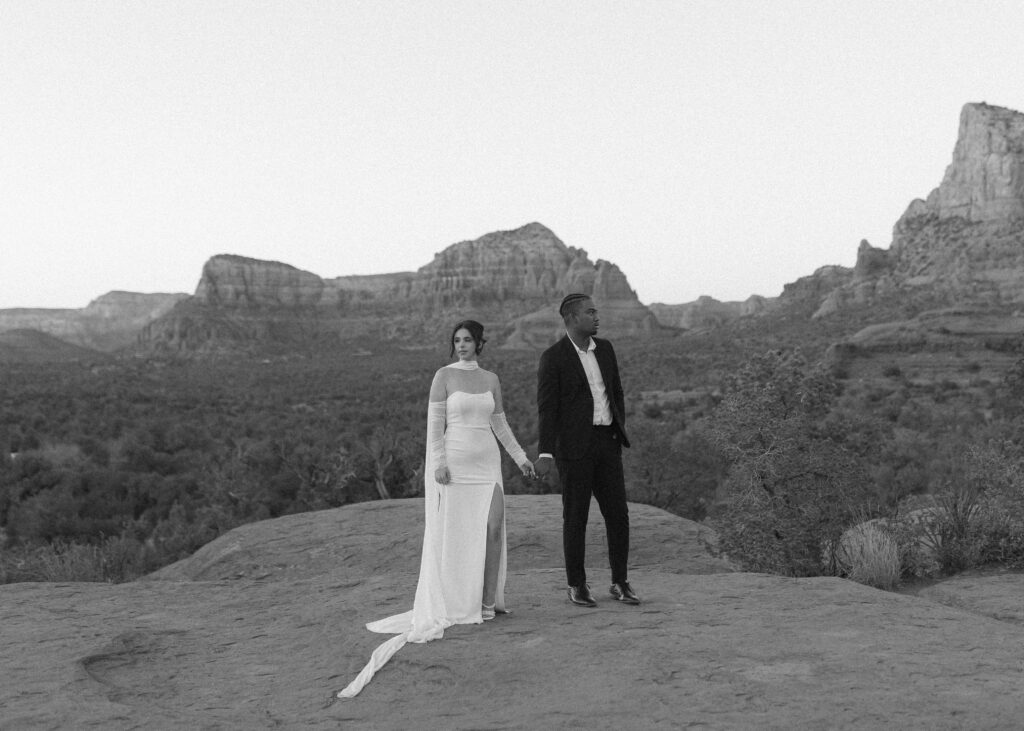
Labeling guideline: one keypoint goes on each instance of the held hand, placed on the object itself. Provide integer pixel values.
(543, 466)
(527, 469)
(442, 476)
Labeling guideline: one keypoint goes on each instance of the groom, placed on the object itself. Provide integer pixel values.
(583, 424)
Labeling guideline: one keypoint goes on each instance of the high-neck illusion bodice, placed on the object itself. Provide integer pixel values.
(465, 365)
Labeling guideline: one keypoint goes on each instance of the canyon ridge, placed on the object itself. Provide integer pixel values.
(951, 281)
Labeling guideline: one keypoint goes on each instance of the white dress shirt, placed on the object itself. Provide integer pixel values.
(602, 409)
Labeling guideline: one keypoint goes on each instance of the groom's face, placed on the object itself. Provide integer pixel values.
(586, 321)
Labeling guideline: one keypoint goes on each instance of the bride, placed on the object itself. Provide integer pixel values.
(462, 569)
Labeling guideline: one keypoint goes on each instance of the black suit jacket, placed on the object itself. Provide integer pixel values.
(565, 404)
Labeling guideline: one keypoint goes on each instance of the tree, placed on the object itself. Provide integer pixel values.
(323, 471)
(383, 452)
(672, 468)
(792, 485)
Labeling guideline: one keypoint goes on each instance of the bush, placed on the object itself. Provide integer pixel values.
(892, 371)
(672, 468)
(977, 520)
(113, 560)
(869, 553)
(793, 487)
(652, 410)
(953, 532)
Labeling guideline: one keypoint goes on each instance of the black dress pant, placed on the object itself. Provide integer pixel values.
(598, 474)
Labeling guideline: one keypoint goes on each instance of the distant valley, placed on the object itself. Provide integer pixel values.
(164, 420)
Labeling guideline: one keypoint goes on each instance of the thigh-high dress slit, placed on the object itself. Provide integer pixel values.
(450, 586)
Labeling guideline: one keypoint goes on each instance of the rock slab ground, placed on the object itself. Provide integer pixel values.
(260, 628)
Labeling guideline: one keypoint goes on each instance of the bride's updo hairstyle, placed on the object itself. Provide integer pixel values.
(476, 331)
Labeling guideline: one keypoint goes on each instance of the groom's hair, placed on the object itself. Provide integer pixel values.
(571, 304)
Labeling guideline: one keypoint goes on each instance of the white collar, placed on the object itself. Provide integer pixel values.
(465, 365)
(591, 345)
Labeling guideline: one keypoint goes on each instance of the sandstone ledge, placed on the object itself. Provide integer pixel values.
(709, 647)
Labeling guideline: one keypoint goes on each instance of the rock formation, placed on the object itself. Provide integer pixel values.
(985, 181)
(961, 245)
(260, 628)
(956, 264)
(964, 243)
(109, 322)
(707, 312)
(237, 281)
(34, 346)
(509, 280)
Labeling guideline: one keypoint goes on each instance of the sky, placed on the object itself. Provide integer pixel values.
(707, 148)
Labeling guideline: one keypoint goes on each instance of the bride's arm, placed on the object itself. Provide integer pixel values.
(436, 413)
(500, 427)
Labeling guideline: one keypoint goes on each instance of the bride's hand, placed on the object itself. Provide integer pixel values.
(527, 469)
(442, 476)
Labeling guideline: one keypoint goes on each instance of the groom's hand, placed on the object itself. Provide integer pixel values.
(542, 466)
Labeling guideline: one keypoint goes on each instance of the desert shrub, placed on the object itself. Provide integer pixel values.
(869, 553)
(652, 410)
(186, 529)
(113, 560)
(793, 487)
(792, 525)
(953, 533)
(977, 519)
(892, 371)
(672, 468)
(916, 558)
(996, 472)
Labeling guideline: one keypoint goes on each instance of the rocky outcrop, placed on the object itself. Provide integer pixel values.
(108, 323)
(707, 312)
(964, 243)
(237, 281)
(261, 627)
(871, 263)
(985, 180)
(528, 263)
(509, 280)
(871, 278)
(963, 346)
(33, 346)
(955, 270)
(619, 311)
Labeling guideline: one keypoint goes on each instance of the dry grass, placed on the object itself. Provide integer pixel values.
(869, 554)
(114, 560)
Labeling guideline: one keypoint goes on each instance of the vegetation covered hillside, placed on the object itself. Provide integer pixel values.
(112, 468)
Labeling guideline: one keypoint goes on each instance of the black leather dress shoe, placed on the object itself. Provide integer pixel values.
(581, 597)
(624, 593)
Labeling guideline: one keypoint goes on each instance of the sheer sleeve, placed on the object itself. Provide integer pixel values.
(435, 433)
(499, 424)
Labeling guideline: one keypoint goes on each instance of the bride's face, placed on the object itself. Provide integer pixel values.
(465, 346)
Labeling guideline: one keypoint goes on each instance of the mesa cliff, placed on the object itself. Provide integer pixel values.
(961, 245)
(945, 301)
(954, 272)
(510, 280)
(109, 322)
(959, 248)
(964, 242)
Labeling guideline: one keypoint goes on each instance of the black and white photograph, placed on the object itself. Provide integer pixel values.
(495, 364)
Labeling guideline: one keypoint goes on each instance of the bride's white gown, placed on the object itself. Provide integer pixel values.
(451, 578)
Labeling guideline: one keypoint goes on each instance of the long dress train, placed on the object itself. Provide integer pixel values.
(450, 585)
